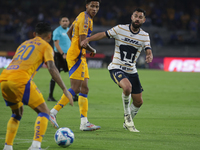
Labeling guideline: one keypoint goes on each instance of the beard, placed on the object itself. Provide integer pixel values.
(64, 27)
(136, 26)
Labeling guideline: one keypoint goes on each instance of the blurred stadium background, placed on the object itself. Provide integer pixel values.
(173, 26)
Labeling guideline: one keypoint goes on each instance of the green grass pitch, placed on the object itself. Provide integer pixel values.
(168, 120)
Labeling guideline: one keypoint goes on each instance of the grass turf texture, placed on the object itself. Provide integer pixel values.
(169, 118)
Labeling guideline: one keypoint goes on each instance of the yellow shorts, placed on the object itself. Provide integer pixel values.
(78, 69)
(17, 95)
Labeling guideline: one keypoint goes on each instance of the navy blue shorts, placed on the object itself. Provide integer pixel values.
(117, 75)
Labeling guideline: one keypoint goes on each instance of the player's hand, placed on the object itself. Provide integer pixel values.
(92, 54)
(68, 95)
(149, 58)
(64, 56)
(84, 43)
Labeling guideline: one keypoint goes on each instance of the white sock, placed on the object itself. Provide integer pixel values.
(8, 147)
(126, 102)
(134, 110)
(54, 111)
(36, 144)
(84, 120)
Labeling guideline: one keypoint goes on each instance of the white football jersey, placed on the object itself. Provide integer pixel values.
(128, 46)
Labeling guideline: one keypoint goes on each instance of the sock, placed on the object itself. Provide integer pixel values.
(51, 88)
(84, 120)
(63, 101)
(40, 126)
(83, 107)
(12, 127)
(134, 110)
(54, 111)
(8, 147)
(126, 102)
(36, 144)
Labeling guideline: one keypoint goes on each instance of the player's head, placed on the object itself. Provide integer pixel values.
(64, 22)
(138, 17)
(92, 7)
(43, 29)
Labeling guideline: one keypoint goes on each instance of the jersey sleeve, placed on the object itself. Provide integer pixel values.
(147, 43)
(112, 32)
(56, 35)
(48, 54)
(83, 25)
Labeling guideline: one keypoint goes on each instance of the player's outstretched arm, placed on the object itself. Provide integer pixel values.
(57, 78)
(149, 55)
(95, 37)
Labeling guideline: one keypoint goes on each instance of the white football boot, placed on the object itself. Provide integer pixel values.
(89, 127)
(52, 118)
(128, 123)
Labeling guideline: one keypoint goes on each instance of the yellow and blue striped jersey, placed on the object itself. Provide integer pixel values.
(28, 59)
(83, 25)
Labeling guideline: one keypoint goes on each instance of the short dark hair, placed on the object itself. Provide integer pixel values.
(62, 16)
(88, 1)
(140, 10)
(42, 27)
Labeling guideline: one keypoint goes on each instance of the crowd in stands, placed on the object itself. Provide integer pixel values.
(18, 18)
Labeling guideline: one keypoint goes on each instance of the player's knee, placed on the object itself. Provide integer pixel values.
(84, 90)
(127, 90)
(18, 112)
(139, 102)
(77, 90)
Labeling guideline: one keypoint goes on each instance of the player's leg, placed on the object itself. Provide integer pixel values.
(76, 79)
(75, 88)
(12, 128)
(126, 94)
(137, 103)
(52, 82)
(11, 93)
(121, 78)
(126, 98)
(136, 94)
(51, 89)
(36, 101)
(83, 108)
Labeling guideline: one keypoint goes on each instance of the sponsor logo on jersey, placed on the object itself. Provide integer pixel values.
(131, 41)
(120, 75)
(85, 26)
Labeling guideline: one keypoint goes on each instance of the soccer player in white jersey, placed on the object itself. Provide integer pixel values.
(130, 40)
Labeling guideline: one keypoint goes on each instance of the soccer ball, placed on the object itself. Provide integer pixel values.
(64, 137)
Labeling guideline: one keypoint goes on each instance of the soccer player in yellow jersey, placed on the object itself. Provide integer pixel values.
(18, 89)
(80, 29)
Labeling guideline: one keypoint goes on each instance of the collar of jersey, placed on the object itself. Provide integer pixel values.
(131, 30)
(87, 14)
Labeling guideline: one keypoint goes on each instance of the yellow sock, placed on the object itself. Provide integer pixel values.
(40, 126)
(61, 103)
(83, 104)
(12, 127)
(64, 100)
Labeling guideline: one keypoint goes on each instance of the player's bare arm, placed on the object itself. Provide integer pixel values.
(56, 76)
(149, 55)
(87, 47)
(69, 32)
(95, 37)
(56, 43)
